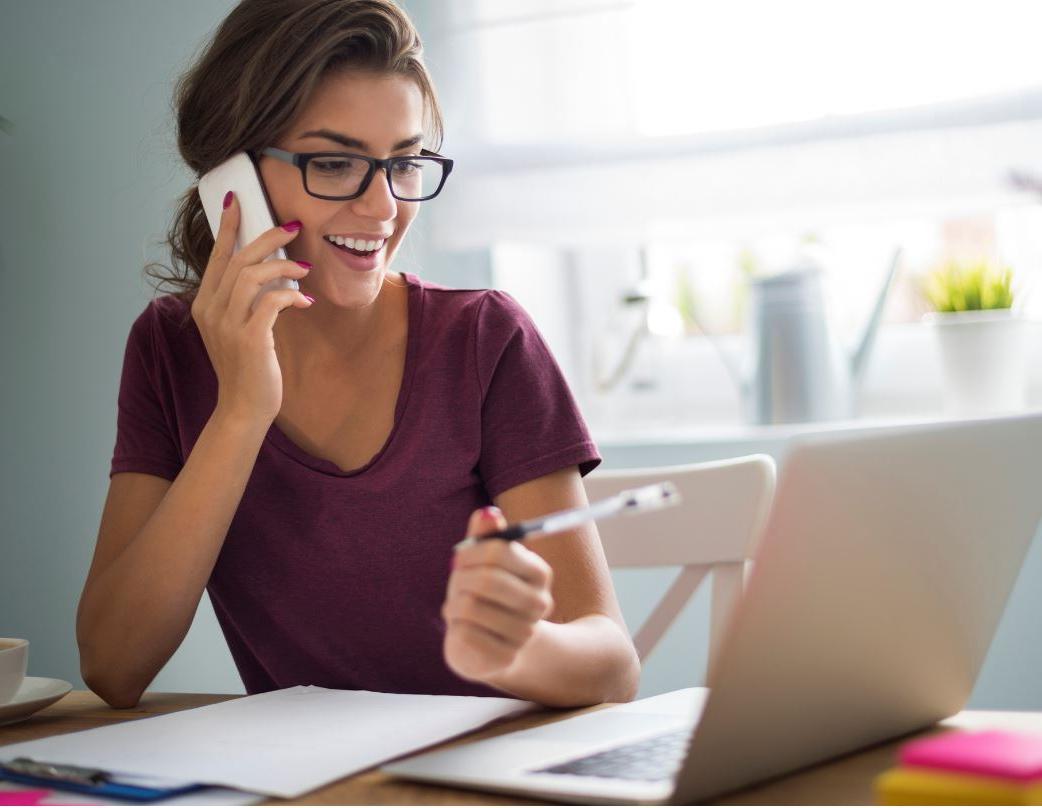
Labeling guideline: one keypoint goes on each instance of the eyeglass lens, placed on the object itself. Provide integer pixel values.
(416, 178)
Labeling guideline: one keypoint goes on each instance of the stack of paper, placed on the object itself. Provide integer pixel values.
(966, 768)
(283, 743)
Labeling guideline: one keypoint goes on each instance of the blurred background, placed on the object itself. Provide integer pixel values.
(627, 169)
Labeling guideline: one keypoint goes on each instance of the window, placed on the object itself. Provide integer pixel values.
(719, 139)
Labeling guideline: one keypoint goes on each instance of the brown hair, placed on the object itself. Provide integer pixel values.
(255, 76)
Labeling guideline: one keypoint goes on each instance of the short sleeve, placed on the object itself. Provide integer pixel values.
(530, 422)
(144, 439)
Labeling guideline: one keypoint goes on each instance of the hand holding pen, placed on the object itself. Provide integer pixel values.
(499, 590)
(631, 502)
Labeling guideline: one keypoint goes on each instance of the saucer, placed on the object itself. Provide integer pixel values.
(34, 694)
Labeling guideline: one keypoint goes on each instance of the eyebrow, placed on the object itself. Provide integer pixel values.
(355, 143)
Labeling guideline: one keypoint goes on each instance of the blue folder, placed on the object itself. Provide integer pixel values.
(87, 781)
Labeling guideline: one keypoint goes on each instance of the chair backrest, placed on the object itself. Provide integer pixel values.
(724, 505)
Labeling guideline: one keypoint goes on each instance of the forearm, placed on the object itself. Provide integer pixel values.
(137, 611)
(589, 660)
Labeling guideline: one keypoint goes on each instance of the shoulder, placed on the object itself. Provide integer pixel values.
(165, 318)
(490, 312)
(169, 311)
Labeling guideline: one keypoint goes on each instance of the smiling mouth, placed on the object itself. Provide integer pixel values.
(360, 253)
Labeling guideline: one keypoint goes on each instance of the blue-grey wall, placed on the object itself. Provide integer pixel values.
(89, 177)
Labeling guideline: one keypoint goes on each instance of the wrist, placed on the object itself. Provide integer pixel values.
(511, 678)
(228, 419)
(585, 661)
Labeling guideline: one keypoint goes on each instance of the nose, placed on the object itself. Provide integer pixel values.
(377, 202)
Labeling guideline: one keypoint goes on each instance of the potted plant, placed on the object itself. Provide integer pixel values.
(981, 338)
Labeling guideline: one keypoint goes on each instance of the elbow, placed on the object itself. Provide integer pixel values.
(116, 691)
(628, 683)
(626, 670)
(624, 681)
(619, 665)
(103, 677)
(115, 694)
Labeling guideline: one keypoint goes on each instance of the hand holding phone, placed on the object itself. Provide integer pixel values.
(236, 320)
(239, 175)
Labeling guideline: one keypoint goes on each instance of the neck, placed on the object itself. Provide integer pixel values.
(326, 340)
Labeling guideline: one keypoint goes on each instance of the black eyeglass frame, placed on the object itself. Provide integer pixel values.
(301, 160)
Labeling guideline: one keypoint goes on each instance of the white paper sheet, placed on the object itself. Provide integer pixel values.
(283, 743)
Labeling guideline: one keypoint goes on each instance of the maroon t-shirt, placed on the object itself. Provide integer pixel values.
(336, 578)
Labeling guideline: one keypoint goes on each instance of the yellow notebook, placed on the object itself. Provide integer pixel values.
(914, 786)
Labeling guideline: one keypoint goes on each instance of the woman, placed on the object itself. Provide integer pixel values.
(314, 462)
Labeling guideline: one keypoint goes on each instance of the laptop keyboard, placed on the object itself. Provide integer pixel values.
(655, 758)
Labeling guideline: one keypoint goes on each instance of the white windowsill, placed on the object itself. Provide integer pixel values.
(697, 434)
(696, 403)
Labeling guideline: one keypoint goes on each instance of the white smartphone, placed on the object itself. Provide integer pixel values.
(239, 174)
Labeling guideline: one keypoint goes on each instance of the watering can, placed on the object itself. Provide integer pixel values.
(797, 370)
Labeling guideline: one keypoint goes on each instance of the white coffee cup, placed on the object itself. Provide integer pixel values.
(14, 661)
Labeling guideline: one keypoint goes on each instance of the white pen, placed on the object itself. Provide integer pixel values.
(633, 501)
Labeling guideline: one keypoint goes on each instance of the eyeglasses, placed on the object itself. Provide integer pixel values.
(341, 176)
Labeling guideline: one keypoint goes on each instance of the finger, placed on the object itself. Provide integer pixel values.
(502, 588)
(269, 241)
(508, 625)
(486, 520)
(269, 307)
(223, 247)
(512, 556)
(253, 253)
(250, 281)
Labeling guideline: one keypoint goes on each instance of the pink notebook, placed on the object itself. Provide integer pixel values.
(23, 797)
(992, 753)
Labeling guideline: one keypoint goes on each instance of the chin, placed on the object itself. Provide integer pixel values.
(350, 290)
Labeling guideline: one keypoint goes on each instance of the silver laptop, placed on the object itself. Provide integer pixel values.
(880, 579)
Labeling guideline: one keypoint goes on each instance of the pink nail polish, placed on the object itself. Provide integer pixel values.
(305, 264)
(310, 299)
(489, 512)
(292, 227)
(228, 199)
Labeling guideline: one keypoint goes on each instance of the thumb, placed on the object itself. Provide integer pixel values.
(486, 520)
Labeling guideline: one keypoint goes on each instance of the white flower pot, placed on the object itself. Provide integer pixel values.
(984, 359)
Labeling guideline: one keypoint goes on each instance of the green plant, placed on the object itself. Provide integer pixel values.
(969, 287)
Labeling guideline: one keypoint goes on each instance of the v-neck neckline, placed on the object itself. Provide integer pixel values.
(281, 441)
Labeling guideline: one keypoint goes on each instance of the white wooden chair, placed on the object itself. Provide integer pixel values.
(724, 505)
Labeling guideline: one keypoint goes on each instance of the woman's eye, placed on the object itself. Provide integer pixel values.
(332, 166)
(407, 168)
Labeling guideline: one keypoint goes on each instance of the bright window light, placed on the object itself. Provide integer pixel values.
(588, 70)
(699, 67)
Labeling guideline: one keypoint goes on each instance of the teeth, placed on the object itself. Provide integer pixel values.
(356, 244)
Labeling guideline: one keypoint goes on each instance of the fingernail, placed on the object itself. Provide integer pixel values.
(490, 512)
(228, 199)
(292, 227)
(310, 299)
(305, 264)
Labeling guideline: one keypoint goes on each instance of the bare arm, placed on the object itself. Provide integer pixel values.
(152, 561)
(539, 619)
(159, 541)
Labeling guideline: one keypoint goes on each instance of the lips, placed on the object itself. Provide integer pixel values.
(353, 251)
(355, 260)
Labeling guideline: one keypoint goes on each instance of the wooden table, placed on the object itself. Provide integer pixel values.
(843, 781)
